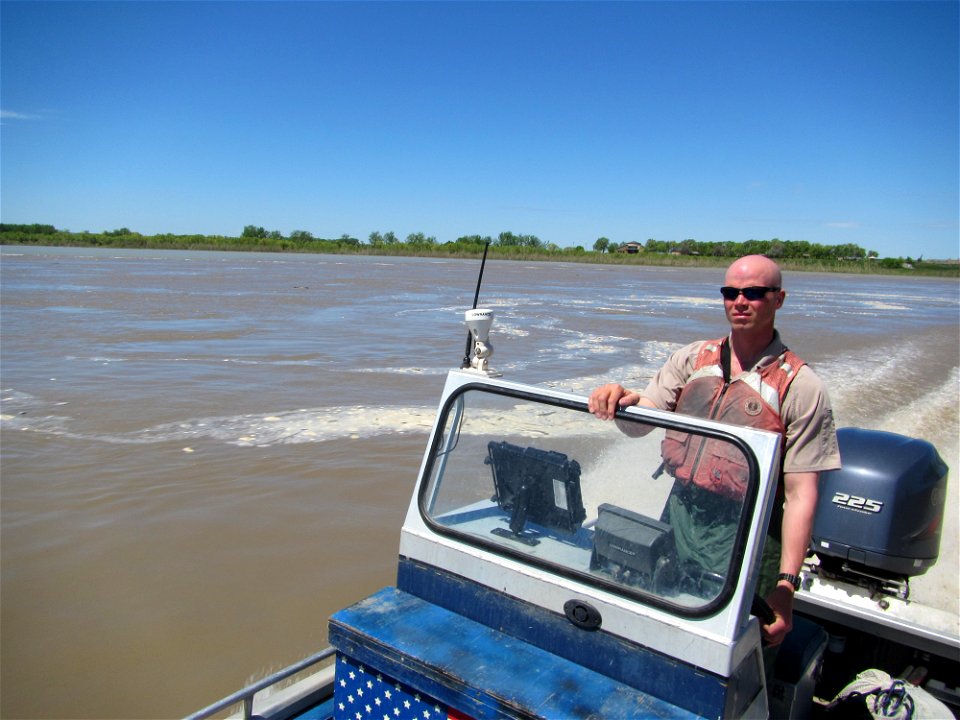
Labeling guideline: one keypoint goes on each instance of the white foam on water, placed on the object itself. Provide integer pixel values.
(621, 309)
(651, 355)
(682, 300)
(927, 415)
(401, 370)
(97, 359)
(508, 329)
(44, 424)
(26, 413)
(277, 362)
(452, 311)
(585, 344)
(297, 426)
(878, 305)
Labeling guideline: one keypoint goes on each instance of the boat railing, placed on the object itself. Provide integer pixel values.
(247, 694)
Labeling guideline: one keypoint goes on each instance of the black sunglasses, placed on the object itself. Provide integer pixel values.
(756, 292)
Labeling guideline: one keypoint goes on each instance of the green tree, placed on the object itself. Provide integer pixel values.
(849, 250)
(509, 239)
(754, 247)
(820, 252)
(253, 231)
(602, 245)
(797, 248)
(34, 229)
(420, 239)
(378, 239)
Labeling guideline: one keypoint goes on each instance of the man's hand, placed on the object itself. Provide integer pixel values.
(605, 400)
(780, 601)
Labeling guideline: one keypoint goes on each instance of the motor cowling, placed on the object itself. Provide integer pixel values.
(883, 510)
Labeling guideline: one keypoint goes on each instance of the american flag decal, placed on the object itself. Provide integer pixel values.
(363, 693)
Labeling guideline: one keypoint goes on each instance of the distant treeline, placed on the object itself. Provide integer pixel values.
(791, 254)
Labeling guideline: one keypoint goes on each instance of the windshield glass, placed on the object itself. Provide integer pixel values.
(648, 511)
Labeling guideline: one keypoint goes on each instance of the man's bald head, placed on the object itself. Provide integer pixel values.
(755, 270)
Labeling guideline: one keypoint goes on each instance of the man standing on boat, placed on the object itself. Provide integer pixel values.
(756, 381)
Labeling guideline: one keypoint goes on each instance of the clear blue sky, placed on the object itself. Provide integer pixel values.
(829, 122)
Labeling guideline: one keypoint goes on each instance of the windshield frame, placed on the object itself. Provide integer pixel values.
(427, 490)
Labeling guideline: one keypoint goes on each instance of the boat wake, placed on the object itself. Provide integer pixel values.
(23, 413)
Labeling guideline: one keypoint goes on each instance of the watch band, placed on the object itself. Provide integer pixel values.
(792, 579)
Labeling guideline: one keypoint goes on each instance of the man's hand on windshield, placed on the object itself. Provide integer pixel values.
(605, 400)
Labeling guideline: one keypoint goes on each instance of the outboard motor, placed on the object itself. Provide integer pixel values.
(881, 514)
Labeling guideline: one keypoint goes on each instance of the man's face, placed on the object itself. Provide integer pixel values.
(752, 315)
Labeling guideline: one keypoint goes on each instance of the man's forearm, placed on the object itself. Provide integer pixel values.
(799, 509)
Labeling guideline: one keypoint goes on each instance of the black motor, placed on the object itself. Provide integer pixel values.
(883, 510)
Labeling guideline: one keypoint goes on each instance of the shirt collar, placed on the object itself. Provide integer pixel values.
(771, 352)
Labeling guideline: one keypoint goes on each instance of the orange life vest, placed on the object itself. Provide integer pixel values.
(753, 399)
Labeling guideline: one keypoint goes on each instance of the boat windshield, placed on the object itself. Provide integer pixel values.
(649, 510)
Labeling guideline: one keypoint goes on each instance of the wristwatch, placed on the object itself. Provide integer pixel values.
(792, 579)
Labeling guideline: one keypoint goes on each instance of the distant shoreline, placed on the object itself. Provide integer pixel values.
(944, 268)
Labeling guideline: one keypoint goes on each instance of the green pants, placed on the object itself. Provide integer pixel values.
(705, 527)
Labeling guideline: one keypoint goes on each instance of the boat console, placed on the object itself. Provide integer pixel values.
(540, 577)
